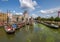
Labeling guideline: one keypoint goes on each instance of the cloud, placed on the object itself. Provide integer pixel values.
(34, 15)
(28, 4)
(19, 13)
(50, 11)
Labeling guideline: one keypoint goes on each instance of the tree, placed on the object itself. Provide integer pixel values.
(57, 19)
(38, 18)
(51, 19)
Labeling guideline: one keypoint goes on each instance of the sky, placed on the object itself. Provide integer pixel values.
(42, 8)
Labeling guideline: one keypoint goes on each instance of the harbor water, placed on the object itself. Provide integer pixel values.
(35, 33)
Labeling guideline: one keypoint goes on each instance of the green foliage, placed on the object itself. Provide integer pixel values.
(48, 19)
(57, 19)
(51, 19)
(38, 18)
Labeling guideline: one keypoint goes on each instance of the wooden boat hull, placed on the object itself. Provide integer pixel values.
(9, 30)
(20, 25)
(1, 24)
(52, 26)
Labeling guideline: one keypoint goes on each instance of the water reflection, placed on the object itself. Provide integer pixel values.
(28, 28)
(31, 29)
(34, 33)
(2, 32)
(10, 36)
